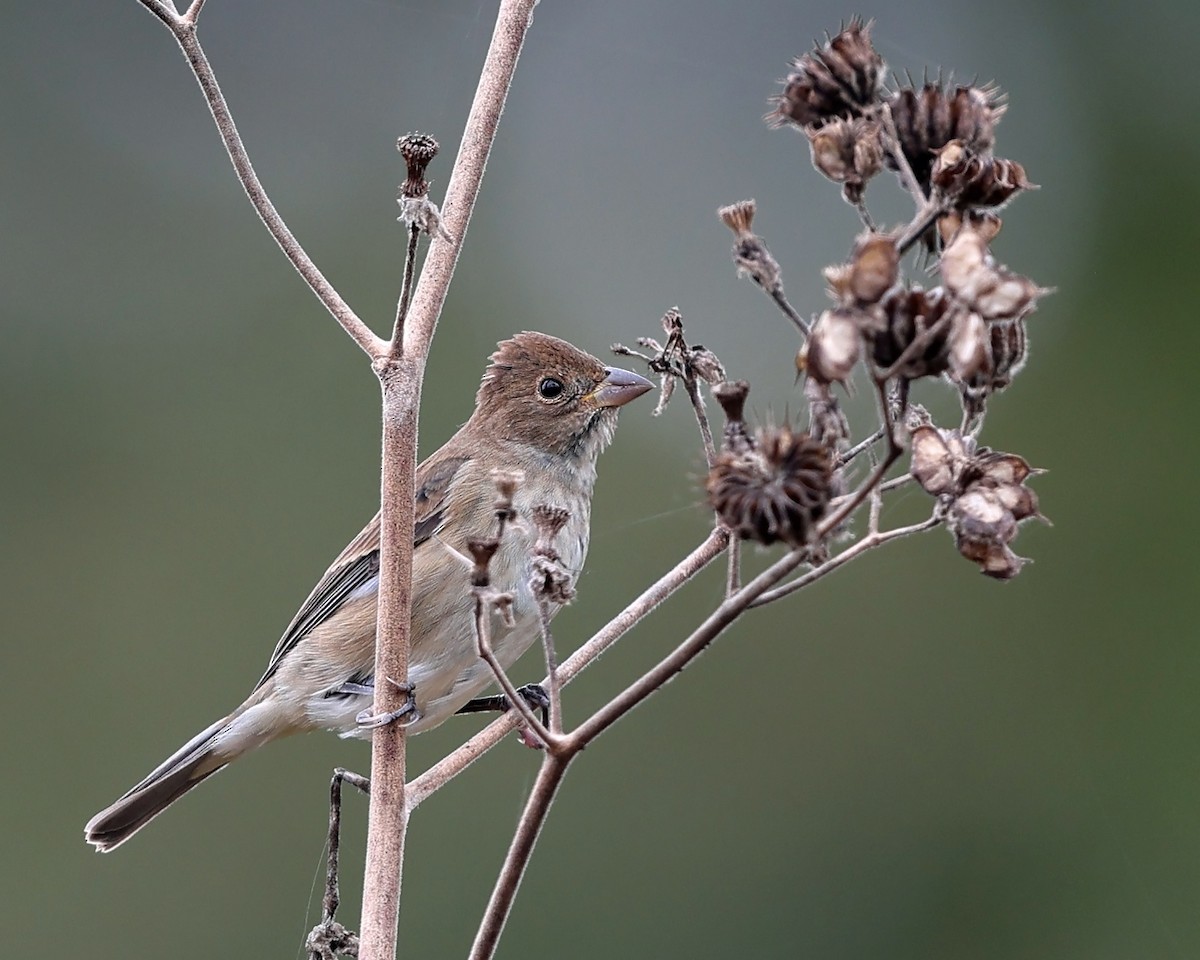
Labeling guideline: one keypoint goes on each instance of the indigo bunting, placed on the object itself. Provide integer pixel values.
(545, 409)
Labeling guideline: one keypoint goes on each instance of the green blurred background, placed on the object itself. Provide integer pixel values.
(907, 761)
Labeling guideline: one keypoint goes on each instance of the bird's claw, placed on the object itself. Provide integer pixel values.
(370, 721)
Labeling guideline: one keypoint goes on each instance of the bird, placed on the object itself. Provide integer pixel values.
(545, 410)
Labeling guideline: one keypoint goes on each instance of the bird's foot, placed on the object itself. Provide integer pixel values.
(533, 694)
(408, 710)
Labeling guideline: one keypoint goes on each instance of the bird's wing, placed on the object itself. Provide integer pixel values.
(359, 562)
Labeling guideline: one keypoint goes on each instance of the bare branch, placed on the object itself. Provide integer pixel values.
(687, 651)
(869, 542)
(549, 779)
(483, 641)
(401, 377)
(512, 23)
(410, 260)
(184, 31)
(445, 770)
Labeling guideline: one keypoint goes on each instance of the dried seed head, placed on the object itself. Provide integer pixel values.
(833, 347)
(970, 349)
(551, 581)
(776, 492)
(482, 552)
(1007, 352)
(506, 482)
(706, 365)
(933, 462)
(990, 289)
(874, 267)
(849, 152)
(836, 80)
(827, 424)
(548, 521)
(738, 216)
(969, 180)
(1019, 500)
(754, 260)
(929, 118)
(983, 527)
(731, 395)
(906, 314)
(984, 489)
(984, 222)
(418, 149)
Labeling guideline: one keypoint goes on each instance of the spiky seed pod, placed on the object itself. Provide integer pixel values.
(731, 395)
(838, 79)
(849, 152)
(973, 276)
(929, 118)
(776, 492)
(833, 347)
(906, 314)
(969, 180)
(418, 150)
(874, 267)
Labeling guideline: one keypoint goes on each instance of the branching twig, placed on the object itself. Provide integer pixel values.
(329, 938)
(483, 640)
(445, 770)
(869, 542)
(184, 30)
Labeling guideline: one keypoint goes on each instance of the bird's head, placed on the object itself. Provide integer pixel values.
(543, 392)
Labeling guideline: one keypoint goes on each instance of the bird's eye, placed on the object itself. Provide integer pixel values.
(550, 389)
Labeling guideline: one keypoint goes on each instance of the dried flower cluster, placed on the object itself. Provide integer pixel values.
(773, 486)
(983, 492)
(971, 328)
(968, 330)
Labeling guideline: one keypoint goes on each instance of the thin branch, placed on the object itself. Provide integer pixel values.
(483, 643)
(551, 654)
(512, 24)
(446, 769)
(789, 311)
(733, 572)
(549, 779)
(869, 542)
(693, 392)
(860, 447)
(687, 651)
(401, 378)
(329, 938)
(184, 31)
(410, 260)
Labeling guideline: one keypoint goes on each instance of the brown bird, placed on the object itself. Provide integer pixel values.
(544, 408)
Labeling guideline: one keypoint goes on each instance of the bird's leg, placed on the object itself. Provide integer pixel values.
(409, 709)
(329, 938)
(533, 694)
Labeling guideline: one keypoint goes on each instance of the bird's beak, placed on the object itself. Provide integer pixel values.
(619, 387)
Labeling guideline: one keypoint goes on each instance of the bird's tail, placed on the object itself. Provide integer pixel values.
(195, 761)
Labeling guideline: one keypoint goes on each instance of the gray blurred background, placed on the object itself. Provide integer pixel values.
(906, 761)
